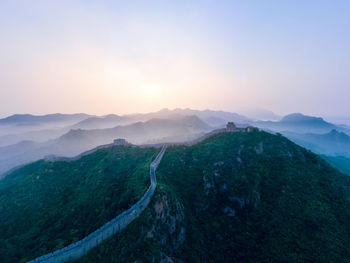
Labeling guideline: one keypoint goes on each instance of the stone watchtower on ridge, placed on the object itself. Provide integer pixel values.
(231, 127)
(120, 142)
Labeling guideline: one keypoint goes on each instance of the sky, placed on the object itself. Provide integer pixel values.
(122, 57)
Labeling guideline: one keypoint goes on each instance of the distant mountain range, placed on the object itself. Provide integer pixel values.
(211, 117)
(21, 124)
(16, 128)
(332, 143)
(314, 133)
(142, 132)
(297, 122)
(102, 122)
(28, 119)
(214, 118)
(78, 140)
(25, 138)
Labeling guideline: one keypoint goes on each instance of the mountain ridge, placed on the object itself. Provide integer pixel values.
(297, 122)
(76, 141)
(29, 119)
(332, 143)
(251, 190)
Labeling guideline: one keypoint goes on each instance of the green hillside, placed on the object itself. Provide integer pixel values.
(235, 197)
(239, 197)
(48, 205)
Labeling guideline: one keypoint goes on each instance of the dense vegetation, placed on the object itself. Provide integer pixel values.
(45, 206)
(239, 197)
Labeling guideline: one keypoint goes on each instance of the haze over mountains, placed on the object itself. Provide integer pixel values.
(26, 122)
(26, 138)
(250, 182)
(31, 120)
(77, 141)
(298, 122)
(331, 143)
(174, 131)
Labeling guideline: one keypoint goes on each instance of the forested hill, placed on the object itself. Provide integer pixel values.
(239, 197)
(45, 206)
(234, 197)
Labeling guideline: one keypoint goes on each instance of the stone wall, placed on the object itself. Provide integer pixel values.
(80, 248)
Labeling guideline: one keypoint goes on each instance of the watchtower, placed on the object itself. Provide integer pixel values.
(231, 127)
(120, 142)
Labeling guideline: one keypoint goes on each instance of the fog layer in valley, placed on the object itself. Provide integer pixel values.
(27, 138)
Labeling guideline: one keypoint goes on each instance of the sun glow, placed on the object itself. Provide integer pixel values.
(151, 90)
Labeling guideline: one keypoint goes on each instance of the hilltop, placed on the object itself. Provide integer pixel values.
(234, 197)
(239, 197)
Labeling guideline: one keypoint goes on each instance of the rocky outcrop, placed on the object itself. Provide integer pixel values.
(164, 225)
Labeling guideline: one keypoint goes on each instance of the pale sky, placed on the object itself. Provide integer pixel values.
(103, 57)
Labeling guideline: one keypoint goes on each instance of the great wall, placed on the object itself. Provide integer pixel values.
(80, 248)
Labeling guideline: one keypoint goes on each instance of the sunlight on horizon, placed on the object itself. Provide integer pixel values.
(152, 91)
(115, 57)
